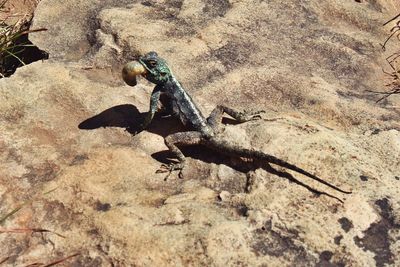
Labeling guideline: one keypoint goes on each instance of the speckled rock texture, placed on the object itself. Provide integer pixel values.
(64, 128)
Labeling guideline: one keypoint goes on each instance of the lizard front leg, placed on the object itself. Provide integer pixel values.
(182, 139)
(216, 115)
(155, 96)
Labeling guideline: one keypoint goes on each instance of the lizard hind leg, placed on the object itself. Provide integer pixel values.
(216, 115)
(181, 139)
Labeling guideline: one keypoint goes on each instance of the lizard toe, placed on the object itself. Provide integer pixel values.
(256, 117)
(163, 168)
(169, 168)
(247, 115)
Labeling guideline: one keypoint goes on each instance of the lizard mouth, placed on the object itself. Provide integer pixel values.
(131, 70)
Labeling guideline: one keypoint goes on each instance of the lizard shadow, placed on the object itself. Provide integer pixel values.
(129, 117)
(118, 116)
(245, 166)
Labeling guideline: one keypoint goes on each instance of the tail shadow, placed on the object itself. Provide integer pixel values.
(245, 166)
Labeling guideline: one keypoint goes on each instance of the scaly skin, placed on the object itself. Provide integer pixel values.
(205, 131)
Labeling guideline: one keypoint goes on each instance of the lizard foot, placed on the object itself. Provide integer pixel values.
(250, 115)
(135, 130)
(170, 168)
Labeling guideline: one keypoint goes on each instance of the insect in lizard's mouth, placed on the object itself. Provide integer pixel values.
(131, 70)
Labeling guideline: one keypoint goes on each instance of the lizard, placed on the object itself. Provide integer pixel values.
(204, 131)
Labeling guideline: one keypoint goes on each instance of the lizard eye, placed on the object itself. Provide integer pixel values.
(152, 63)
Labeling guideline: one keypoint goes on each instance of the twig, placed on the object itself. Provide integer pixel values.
(389, 37)
(25, 230)
(3, 3)
(4, 260)
(397, 16)
(392, 61)
(385, 94)
(52, 263)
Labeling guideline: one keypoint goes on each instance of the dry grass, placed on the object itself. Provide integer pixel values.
(28, 230)
(53, 263)
(20, 206)
(393, 60)
(10, 35)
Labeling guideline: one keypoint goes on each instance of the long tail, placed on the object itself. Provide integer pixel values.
(225, 148)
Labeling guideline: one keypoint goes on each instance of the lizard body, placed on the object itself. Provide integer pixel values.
(205, 130)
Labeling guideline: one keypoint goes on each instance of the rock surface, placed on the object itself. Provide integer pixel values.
(16, 10)
(309, 64)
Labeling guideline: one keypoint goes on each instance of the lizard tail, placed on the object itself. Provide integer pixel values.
(229, 149)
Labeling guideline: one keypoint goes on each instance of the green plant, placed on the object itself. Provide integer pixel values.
(12, 43)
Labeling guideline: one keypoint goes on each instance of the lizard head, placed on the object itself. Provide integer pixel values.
(150, 66)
